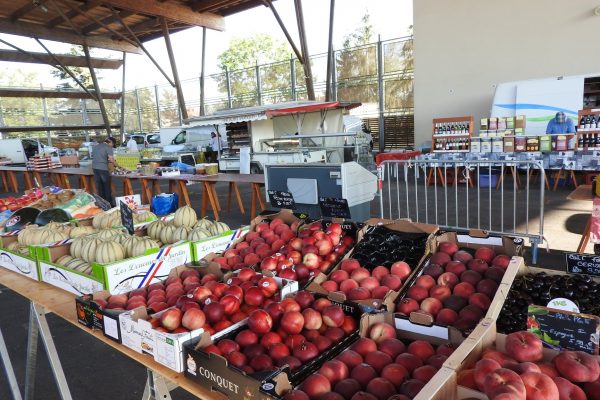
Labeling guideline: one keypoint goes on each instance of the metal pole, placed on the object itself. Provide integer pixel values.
(122, 128)
(381, 94)
(97, 88)
(139, 113)
(258, 84)
(300, 56)
(157, 105)
(46, 120)
(333, 78)
(229, 102)
(202, 70)
(293, 78)
(310, 90)
(330, 52)
(84, 118)
(10, 373)
(32, 351)
(180, 99)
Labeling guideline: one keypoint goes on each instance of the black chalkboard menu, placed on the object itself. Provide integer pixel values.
(126, 217)
(333, 207)
(280, 199)
(582, 263)
(563, 329)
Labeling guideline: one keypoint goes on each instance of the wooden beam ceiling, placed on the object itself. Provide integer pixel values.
(66, 59)
(22, 11)
(7, 129)
(88, 5)
(171, 11)
(64, 35)
(55, 94)
(208, 5)
(106, 21)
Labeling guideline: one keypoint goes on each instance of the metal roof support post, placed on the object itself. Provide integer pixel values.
(84, 118)
(293, 78)
(202, 71)
(334, 86)
(180, 99)
(310, 90)
(381, 93)
(269, 4)
(46, 120)
(122, 116)
(229, 102)
(258, 84)
(139, 111)
(329, 79)
(157, 105)
(86, 50)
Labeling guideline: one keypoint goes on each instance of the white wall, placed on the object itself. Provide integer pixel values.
(463, 48)
(260, 130)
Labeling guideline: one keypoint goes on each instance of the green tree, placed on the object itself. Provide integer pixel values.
(398, 58)
(20, 111)
(82, 74)
(240, 60)
(356, 65)
(169, 108)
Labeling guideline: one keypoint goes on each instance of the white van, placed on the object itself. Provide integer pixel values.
(540, 99)
(192, 138)
(19, 150)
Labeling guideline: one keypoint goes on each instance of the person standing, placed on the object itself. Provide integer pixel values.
(560, 124)
(216, 144)
(102, 156)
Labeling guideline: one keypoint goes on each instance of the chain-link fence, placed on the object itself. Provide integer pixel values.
(358, 77)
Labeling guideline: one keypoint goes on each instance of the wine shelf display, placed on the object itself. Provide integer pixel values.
(452, 134)
(588, 130)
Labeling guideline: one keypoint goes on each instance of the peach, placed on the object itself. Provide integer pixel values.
(480, 300)
(487, 287)
(380, 292)
(526, 366)
(406, 306)
(409, 361)
(495, 274)
(463, 289)
(392, 281)
(539, 386)
(417, 293)
(448, 247)
(462, 256)
(424, 373)
(440, 259)
(363, 396)
(455, 303)
(395, 373)
(478, 265)
(425, 281)
(333, 316)
(431, 306)
(504, 360)
(502, 261)
(433, 270)
(411, 388)
(315, 386)
(349, 265)
(391, 346)
(440, 292)
(379, 272)
(339, 276)
(471, 313)
(503, 381)
(347, 387)
(359, 274)
(437, 360)
(381, 331)
(350, 358)
(347, 285)
(448, 279)
(330, 286)
(446, 317)
(567, 390)
(363, 374)
(473, 277)
(401, 269)
(364, 346)
(466, 378)
(421, 349)
(483, 368)
(577, 366)
(485, 253)
(334, 371)
(446, 349)
(359, 293)
(378, 360)
(456, 267)
(525, 346)
(369, 283)
(592, 390)
(548, 369)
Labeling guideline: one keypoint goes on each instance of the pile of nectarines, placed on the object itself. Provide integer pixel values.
(377, 367)
(456, 288)
(520, 372)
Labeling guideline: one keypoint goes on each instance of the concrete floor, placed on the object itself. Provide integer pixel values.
(96, 371)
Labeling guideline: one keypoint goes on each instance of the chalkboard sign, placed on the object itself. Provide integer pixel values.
(188, 159)
(333, 207)
(280, 199)
(582, 264)
(564, 330)
(126, 217)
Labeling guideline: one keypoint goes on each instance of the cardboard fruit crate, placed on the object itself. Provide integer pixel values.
(117, 277)
(218, 243)
(403, 226)
(22, 264)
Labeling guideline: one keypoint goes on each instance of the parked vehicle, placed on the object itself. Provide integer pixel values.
(143, 140)
(19, 150)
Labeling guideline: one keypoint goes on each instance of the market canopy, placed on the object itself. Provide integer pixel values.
(119, 25)
(249, 114)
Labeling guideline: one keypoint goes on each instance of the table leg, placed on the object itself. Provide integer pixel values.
(557, 176)
(92, 184)
(441, 175)
(238, 197)
(214, 193)
(146, 196)
(585, 237)
(204, 201)
(82, 182)
(156, 186)
(210, 191)
(429, 176)
(10, 373)
(574, 178)
(157, 387)
(13, 181)
(55, 365)
(184, 192)
(229, 196)
(66, 181)
(4, 182)
(37, 179)
(546, 180)
(127, 188)
(27, 180)
(31, 364)
(261, 202)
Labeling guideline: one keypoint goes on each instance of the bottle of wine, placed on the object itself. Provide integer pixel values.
(582, 123)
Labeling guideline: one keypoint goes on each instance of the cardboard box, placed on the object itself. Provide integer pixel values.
(17, 262)
(217, 243)
(509, 144)
(117, 277)
(388, 302)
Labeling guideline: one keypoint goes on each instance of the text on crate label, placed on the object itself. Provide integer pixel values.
(219, 380)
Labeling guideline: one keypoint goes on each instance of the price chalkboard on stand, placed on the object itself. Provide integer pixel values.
(126, 217)
(280, 199)
(333, 207)
(563, 329)
(582, 264)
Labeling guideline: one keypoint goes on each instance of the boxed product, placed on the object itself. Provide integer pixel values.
(13, 260)
(218, 243)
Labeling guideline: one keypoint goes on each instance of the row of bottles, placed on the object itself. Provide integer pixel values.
(590, 140)
(451, 144)
(451, 128)
(589, 123)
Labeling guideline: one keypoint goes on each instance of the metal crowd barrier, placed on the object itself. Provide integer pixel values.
(501, 197)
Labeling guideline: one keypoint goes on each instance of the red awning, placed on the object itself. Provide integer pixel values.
(310, 108)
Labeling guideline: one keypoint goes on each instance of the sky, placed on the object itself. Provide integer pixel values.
(390, 19)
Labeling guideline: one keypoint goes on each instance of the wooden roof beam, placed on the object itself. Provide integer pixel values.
(105, 22)
(22, 11)
(88, 5)
(9, 129)
(208, 5)
(69, 60)
(55, 94)
(64, 35)
(171, 11)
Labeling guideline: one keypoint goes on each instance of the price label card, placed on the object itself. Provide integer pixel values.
(582, 264)
(280, 199)
(333, 207)
(126, 217)
(564, 330)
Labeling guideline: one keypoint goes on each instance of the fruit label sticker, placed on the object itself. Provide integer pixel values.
(563, 304)
(582, 264)
(563, 329)
(333, 207)
(280, 199)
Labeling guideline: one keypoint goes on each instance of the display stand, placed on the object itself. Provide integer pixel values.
(452, 135)
(588, 134)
